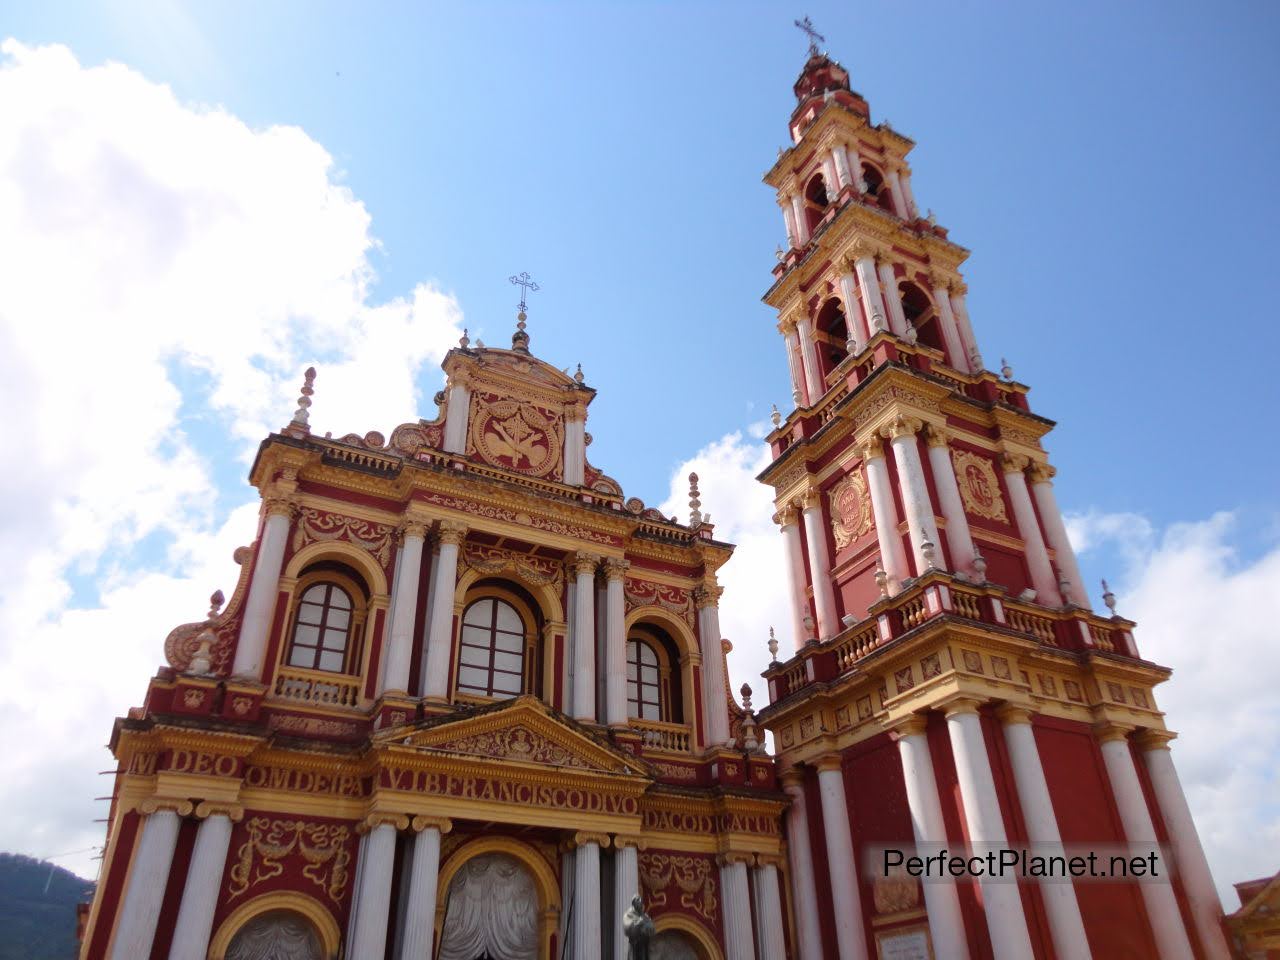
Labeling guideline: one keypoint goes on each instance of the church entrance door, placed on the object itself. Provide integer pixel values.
(492, 911)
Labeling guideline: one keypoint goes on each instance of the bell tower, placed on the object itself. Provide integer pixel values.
(950, 685)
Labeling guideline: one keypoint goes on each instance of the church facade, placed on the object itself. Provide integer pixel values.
(467, 698)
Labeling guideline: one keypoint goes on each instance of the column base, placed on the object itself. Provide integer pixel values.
(393, 709)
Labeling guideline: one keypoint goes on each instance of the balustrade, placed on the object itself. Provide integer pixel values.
(1024, 621)
(853, 649)
(317, 687)
(967, 604)
(656, 735)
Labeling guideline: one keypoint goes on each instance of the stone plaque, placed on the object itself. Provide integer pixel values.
(910, 944)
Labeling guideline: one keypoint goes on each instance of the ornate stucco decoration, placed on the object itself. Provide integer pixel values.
(184, 642)
(516, 743)
(979, 487)
(526, 566)
(320, 847)
(688, 881)
(850, 509)
(640, 593)
(317, 525)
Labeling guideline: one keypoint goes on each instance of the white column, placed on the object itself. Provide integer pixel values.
(788, 518)
(1188, 854)
(872, 304)
(802, 221)
(789, 218)
(584, 640)
(420, 916)
(961, 313)
(575, 445)
(842, 166)
(946, 924)
(771, 939)
(455, 418)
(204, 879)
(586, 897)
(1001, 900)
(809, 355)
(1055, 532)
(829, 178)
(846, 897)
(904, 177)
(440, 635)
(1060, 904)
(1140, 832)
(885, 511)
(957, 357)
(258, 607)
(855, 167)
(370, 938)
(147, 878)
(715, 699)
(737, 908)
(615, 651)
(915, 492)
(804, 885)
(395, 678)
(626, 884)
(899, 198)
(795, 363)
(892, 296)
(1042, 576)
(824, 597)
(959, 540)
(854, 321)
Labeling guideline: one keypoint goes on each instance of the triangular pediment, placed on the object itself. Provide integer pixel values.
(521, 731)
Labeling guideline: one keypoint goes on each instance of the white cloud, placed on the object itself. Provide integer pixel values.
(1199, 608)
(167, 269)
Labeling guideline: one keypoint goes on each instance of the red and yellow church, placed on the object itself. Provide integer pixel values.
(467, 698)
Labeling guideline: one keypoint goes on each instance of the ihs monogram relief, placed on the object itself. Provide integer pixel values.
(693, 877)
(515, 435)
(979, 487)
(322, 846)
(850, 509)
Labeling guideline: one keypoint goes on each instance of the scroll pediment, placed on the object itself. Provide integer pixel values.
(523, 731)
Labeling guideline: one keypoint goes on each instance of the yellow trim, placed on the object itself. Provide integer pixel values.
(528, 621)
(346, 552)
(707, 946)
(313, 910)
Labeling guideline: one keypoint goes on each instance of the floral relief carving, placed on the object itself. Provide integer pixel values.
(850, 509)
(322, 847)
(319, 526)
(515, 435)
(515, 743)
(979, 487)
(527, 566)
(515, 516)
(690, 881)
(641, 593)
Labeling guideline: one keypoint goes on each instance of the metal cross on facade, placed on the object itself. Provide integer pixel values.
(527, 285)
(806, 26)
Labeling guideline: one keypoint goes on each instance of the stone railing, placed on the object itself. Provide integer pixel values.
(667, 737)
(317, 687)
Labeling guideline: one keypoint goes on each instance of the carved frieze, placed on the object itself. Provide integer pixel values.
(516, 743)
(689, 882)
(321, 848)
(526, 566)
(641, 593)
(320, 525)
(979, 487)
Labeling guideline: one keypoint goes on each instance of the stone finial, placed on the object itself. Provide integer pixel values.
(931, 217)
(1064, 588)
(695, 514)
(464, 341)
(809, 632)
(746, 697)
(930, 553)
(779, 254)
(773, 646)
(301, 418)
(1108, 598)
(911, 337)
(882, 581)
(979, 567)
(577, 376)
(520, 339)
(216, 600)
(1006, 371)
(775, 417)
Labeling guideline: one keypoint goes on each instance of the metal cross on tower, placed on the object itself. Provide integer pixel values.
(806, 26)
(527, 285)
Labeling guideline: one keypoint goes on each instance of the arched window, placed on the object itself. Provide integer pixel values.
(322, 629)
(816, 201)
(645, 699)
(878, 191)
(832, 332)
(492, 653)
(918, 308)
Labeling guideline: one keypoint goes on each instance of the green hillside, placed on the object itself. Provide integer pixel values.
(38, 909)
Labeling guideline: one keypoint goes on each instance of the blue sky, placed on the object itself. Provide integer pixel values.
(350, 184)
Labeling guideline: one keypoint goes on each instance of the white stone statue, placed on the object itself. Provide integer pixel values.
(637, 926)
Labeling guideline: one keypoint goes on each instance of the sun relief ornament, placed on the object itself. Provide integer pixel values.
(516, 435)
(850, 509)
(979, 488)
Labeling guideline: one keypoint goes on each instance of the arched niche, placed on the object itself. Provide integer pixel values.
(287, 901)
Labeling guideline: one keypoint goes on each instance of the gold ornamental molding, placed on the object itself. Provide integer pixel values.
(850, 509)
(979, 486)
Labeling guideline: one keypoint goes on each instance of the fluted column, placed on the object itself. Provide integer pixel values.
(966, 330)
(843, 176)
(802, 221)
(899, 198)
(921, 524)
(855, 167)
(1188, 853)
(809, 356)
(959, 539)
(846, 897)
(615, 650)
(587, 944)
(260, 604)
(395, 679)
(1055, 532)
(584, 639)
(374, 895)
(854, 321)
(795, 363)
(420, 916)
(824, 596)
(204, 879)
(1140, 832)
(575, 444)
(739, 943)
(872, 303)
(804, 883)
(147, 878)
(626, 884)
(1042, 577)
(771, 938)
(1060, 904)
(904, 177)
(789, 219)
(829, 177)
(788, 518)
(715, 699)
(457, 411)
(892, 297)
(946, 924)
(956, 354)
(440, 634)
(892, 559)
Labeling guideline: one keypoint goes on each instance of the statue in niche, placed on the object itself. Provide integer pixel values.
(637, 926)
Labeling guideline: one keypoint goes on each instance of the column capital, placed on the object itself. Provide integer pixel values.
(452, 531)
(461, 378)
(621, 840)
(884, 256)
(575, 411)
(152, 805)
(770, 860)
(412, 527)
(811, 498)
(1151, 739)
(910, 726)
(797, 313)
(787, 515)
(382, 818)
(828, 761)
(212, 808)
(707, 595)
(421, 822)
(786, 325)
(939, 280)
(1106, 731)
(615, 568)
(279, 506)
(792, 780)
(960, 705)
(1013, 462)
(937, 435)
(871, 448)
(584, 563)
(586, 836)
(1041, 472)
(1013, 713)
(901, 426)
(730, 857)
